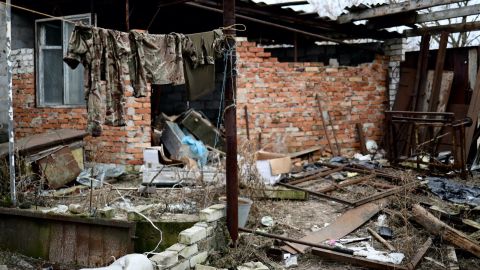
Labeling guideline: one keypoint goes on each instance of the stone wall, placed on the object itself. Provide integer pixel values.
(282, 106)
(196, 243)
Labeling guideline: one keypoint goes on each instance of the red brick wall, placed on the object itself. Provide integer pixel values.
(120, 145)
(281, 100)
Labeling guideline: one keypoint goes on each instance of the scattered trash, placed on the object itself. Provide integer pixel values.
(385, 232)
(267, 221)
(454, 192)
(253, 266)
(372, 254)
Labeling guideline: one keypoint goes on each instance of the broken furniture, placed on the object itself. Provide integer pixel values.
(429, 134)
(202, 129)
(53, 152)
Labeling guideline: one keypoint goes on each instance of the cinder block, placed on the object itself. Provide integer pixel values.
(188, 251)
(192, 235)
(198, 259)
(182, 265)
(204, 267)
(177, 247)
(211, 214)
(165, 259)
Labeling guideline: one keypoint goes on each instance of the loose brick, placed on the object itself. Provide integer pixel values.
(188, 251)
(211, 214)
(165, 258)
(192, 235)
(198, 259)
(182, 265)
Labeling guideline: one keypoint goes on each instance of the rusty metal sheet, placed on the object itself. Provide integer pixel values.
(345, 224)
(59, 168)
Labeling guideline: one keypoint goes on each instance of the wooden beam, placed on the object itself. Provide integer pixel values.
(451, 28)
(419, 255)
(343, 225)
(473, 111)
(290, 3)
(447, 233)
(438, 74)
(448, 14)
(395, 8)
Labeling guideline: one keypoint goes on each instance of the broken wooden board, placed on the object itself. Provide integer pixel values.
(343, 225)
(447, 233)
(445, 87)
(354, 260)
(59, 168)
(420, 254)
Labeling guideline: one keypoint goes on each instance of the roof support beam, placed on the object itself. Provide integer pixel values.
(291, 3)
(451, 28)
(448, 14)
(392, 9)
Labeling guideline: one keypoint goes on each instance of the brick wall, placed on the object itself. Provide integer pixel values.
(120, 145)
(395, 50)
(281, 100)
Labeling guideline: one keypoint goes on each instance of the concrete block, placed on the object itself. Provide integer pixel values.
(192, 235)
(198, 259)
(165, 259)
(204, 267)
(211, 214)
(182, 265)
(177, 247)
(207, 244)
(218, 206)
(188, 251)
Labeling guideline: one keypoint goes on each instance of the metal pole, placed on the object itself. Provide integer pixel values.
(127, 15)
(231, 124)
(11, 135)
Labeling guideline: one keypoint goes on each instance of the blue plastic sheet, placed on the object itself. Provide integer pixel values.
(197, 148)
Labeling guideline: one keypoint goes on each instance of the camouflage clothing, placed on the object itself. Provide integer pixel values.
(158, 59)
(103, 53)
(200, 69)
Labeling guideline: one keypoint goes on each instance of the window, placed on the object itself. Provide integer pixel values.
(57, 84)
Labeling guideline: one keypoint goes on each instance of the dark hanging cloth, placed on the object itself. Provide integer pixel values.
(200, 69)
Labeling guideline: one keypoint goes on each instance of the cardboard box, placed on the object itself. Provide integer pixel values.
(271, 166)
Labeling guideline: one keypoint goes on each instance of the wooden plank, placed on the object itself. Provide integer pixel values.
(354, 260)
(305, 152)
(380, 239)
(343, 225)
(471, 223)
(315, 176)
(472, 67)
(448, 13)
(447, 233)
(473, 110)
(421, 73)
(390, 9)
(450, 28)
(316, 194)
(437, 76)
(419, 255)
(445, 89)
(82, 239)
(384, 194)
(345, 183)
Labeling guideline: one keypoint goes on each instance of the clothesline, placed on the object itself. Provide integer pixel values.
(230, 27)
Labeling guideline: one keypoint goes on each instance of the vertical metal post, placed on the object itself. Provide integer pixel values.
(11, 135)
(127, 15)
(231, 124)
(246, 122)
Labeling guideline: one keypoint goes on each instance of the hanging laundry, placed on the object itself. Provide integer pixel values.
(158, 59)
(200, 70)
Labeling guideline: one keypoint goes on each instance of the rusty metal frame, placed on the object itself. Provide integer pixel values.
(358, 169)
(426, 129)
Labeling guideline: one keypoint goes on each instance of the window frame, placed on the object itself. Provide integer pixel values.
(39, 72)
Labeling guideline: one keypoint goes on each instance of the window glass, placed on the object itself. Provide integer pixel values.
(53, 76)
